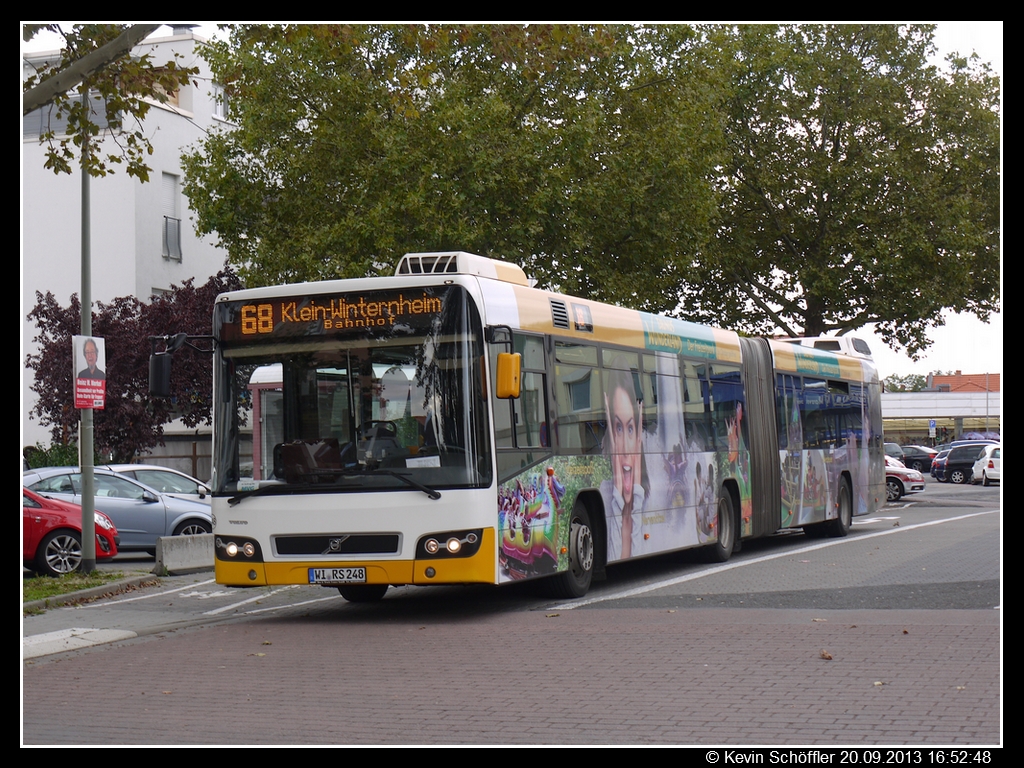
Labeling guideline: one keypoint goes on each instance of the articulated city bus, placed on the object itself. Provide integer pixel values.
(451, 425)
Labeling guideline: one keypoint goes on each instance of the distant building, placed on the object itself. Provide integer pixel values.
(142, 237)
(959, 405)
(959, 382)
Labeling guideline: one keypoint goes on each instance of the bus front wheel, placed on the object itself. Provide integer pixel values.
(575, 581)
(363, 593)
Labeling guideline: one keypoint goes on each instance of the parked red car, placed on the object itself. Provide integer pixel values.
(899, 480)
(52, 535)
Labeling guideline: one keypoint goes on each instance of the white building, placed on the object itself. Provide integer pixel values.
(143, 240)
(909, 416)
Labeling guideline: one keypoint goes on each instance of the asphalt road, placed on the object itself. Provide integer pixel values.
(888, 637)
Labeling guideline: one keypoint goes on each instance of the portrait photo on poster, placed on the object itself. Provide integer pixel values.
(89, 362)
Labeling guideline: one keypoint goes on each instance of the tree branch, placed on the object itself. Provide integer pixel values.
(68, 78)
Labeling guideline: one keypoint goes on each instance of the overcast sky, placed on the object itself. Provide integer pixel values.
(964, 343)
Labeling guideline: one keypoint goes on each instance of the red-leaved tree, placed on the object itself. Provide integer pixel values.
(132, 422)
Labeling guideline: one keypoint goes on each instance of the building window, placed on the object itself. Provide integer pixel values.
(172, 238)
(172, 97)
(220, 102)
(171, 234)
(49, 118)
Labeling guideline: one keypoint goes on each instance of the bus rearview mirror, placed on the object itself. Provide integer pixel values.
(507, 378)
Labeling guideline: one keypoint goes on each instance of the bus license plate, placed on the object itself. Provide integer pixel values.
(337, 575)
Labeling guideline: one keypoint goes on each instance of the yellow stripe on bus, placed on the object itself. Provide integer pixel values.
(480, 568)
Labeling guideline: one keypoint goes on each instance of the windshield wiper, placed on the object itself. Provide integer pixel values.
(270, 488)
(435, 495)
(289, 488)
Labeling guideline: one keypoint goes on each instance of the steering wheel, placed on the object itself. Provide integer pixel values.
(372, 429)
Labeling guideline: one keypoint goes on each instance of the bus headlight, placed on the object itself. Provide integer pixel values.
(237, 548)
(456, 544)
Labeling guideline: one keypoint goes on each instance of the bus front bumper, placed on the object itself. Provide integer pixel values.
(476, 569)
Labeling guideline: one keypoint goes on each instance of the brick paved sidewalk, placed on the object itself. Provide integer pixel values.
(588, 676)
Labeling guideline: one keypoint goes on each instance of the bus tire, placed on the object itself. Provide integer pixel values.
(575, 580)
(363, 593)
(844, 513)
(725, 525)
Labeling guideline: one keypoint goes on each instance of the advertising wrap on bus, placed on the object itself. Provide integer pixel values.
(359, 441)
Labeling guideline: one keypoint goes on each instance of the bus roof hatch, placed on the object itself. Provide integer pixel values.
(460, 262)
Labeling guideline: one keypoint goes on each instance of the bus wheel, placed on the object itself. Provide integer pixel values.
(844, 517)
(725, 526)
(363, 593)
(575, 582)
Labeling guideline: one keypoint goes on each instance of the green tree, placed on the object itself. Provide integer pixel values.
(796, 179)
(132, 422)
(586, 154)
(862, 184)
(912, 382)
(96, 59)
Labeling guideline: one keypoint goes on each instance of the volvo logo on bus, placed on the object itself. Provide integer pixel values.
(334, 545)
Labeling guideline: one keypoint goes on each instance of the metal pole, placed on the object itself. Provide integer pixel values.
(986, 404)
(86, 436)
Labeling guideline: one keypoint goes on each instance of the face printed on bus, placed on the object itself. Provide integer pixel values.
(622, 421)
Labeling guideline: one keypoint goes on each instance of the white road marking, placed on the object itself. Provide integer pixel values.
(741, 564)
(162, 593)
(262, 596)
(293, 605)
(78, 638)
(208, 595)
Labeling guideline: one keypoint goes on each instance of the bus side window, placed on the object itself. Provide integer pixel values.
(529, 411)
(698, 431)
(580, 408)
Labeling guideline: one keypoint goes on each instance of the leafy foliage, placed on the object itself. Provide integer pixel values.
(559, 148)
(57, 455)
(913, 382)
(121, 88)
(132, 422)
(862, 185)
(802, 179)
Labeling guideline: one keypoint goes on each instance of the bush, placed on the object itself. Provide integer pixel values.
(57, 455)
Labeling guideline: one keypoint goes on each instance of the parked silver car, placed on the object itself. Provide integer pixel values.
(141, 514)
(165, 480)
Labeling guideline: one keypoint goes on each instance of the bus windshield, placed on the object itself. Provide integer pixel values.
(353, 406)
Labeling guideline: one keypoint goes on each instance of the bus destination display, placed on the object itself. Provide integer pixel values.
(325, 314)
